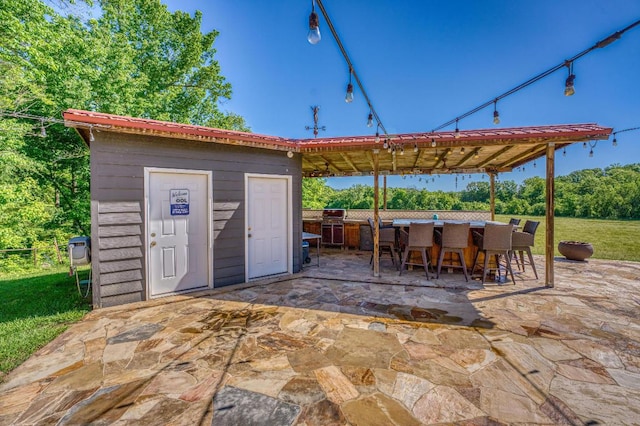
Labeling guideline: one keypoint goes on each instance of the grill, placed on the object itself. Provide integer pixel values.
(333, 226)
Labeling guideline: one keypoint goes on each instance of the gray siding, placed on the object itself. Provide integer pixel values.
(117, 193)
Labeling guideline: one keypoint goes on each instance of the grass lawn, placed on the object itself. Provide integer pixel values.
(34, 310)
(611, 239)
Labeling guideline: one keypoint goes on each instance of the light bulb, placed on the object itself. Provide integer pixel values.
(564, 152)
(415, 148)
(568, 85)
(433, 143)
(615, 141)
(314, 29)
(385, 145)
(496, 117)
(377, 137)
(462, 150)
(401, 150)
(290, 154)
(591, 153)
(456, 134)
(349, 96)
(370, 120)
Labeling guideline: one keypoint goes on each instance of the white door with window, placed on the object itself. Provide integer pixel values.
(268, 221)
(178, 231)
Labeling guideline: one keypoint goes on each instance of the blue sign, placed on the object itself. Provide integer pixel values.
(179, 202)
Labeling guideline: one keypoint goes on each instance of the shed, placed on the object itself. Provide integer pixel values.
(178, 208)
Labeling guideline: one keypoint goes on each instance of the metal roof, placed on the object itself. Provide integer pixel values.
(471, 151)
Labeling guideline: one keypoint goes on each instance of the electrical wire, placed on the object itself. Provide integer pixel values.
(602, 43)
(350, 65)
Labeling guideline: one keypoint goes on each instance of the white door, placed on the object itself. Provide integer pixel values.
(268, 230)
(178, 231)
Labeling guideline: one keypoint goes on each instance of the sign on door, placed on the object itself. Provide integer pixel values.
(179, 202)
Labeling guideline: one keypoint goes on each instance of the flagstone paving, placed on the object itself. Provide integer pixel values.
(334, 345)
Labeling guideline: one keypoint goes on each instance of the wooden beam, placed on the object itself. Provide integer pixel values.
(384, 192)
(494, 156)
(467, 157)
(528, 153)
(492, 195)
(550, 201)
(441, 157)
(421, 154)
(370, 158)
(376, 216)
(346, 158)
(331, 165)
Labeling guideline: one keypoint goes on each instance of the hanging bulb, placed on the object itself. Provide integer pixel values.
(385, 145)
(456, 134)
(43, 131)
(496, 114)
(91, 137)
(568, 84)
(476, 155)
(462, 150)
(402, 150)
(564, 152)
(370, 120)
(415, 148)
(591, 153)
(436, 157)
(534, 164)
(433, 143)
(349, 96)
(314, 27)
(584, 145)
(615, 141)
(377, 137)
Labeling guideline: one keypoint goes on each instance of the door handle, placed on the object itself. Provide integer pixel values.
(153, 243)
(249, 235)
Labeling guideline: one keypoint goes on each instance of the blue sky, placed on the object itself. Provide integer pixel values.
(423, 63)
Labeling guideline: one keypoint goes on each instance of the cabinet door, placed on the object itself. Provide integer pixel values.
(338, 234)
(327, 234)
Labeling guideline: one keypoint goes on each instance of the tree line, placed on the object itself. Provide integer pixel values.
(610, 193)
(128, 57)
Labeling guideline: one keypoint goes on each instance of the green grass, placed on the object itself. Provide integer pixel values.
(34, 309)
(611, 239)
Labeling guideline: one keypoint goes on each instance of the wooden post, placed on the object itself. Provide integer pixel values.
(492, 195)
(376, 216)
(384, 193)
(550, 201)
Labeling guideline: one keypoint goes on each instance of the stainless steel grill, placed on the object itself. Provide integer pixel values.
(333, 226)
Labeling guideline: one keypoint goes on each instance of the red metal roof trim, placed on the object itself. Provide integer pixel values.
(577, 131)
(75, 117)
(78, 118)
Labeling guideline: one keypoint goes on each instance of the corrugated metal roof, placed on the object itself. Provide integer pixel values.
(471, 151)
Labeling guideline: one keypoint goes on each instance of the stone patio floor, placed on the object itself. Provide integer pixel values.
(334, 345)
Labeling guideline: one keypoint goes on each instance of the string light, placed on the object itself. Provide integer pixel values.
(564, 151)
(436, 157)
(370, 120)
(456, 134)
(462, 150)
(415, 148)
(615, 141)
(568, 84)
(496, 114)
(401, 150)
(433, 143)
(349, 96)
(602, 43)
(313, 36)
(385, 145)
(592, 144)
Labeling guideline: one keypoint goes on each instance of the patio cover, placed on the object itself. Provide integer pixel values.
(488, 151)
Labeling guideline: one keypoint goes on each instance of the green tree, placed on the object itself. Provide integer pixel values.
(136, 59)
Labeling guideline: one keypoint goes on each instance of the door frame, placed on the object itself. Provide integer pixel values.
(209, 175)
(289, 196)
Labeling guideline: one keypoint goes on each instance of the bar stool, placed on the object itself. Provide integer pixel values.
(496, 241)
(386, 242)
(523, 241)
(455, 238)
(420, 239)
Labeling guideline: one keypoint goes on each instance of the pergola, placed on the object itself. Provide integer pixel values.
(489, 151)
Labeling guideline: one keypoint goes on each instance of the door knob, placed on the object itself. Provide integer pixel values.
(153, 243)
